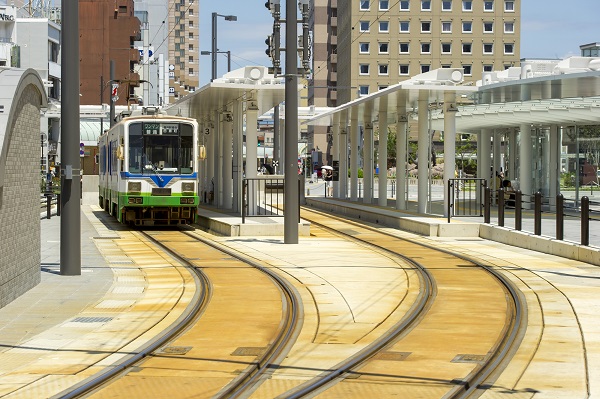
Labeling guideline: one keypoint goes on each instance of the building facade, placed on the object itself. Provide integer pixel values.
(381, 42)
(108, 30)
(184, 64)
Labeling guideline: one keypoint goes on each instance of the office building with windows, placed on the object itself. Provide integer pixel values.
(383, 42)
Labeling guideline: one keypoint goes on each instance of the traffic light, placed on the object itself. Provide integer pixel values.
(269, 43)
(273, 6)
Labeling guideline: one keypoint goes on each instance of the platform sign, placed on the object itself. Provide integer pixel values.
(81, 150)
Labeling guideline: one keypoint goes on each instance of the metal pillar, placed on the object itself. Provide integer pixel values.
(368, 158)
(238, 160)
(228, 161)
(291, 196)
(525, 169)
(251, 143)
(112, 99)
(423, 153)
(336, 152)
(553, 164)
(214, 47)
(354, 134)
(401, 149)
(70, 222)
(382, 151)
(484, 153)
(449, 146)
(343, 155)
(276, 138)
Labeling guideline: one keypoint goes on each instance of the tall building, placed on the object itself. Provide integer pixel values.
(108, 30)
(382, 42)
(170, 29)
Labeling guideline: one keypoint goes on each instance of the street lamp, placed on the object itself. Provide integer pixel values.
(220, 52)
(214, 40)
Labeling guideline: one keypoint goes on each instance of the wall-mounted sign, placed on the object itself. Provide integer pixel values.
(6, 17)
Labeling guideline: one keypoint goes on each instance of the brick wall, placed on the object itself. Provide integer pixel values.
(20, 210)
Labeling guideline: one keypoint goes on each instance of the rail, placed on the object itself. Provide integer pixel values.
(263, 196)
(466, 197)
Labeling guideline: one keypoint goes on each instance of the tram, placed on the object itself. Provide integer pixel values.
(148, 169)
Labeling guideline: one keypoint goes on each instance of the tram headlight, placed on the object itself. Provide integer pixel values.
(134, 187)
(188, 188)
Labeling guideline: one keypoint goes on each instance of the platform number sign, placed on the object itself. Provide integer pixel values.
(81, 149)
(113, 93)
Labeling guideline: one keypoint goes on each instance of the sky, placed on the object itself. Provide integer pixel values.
(549, 29)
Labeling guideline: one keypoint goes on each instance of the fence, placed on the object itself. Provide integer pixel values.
(466, 197)
(263, 196)
(509, 199)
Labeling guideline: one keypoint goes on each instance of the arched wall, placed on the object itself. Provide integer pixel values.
(23, 96)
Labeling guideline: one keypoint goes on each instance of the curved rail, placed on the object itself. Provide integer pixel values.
(500, 353)
(289, 328)
(197, 306)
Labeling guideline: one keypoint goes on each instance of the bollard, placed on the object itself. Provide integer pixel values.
(585, 221)
(501, 207)
(486, 205)
(560, 217)
(537, 214)
(48, 206)
(518, 210)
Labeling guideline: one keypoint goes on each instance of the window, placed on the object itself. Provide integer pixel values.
(384, 5)
(488, 68)
(509, 27)
(363, 69)
(447, 27)
(488, 48)
(509, 48)
(191, 35)
(384, 26)
(364, 26)
(364, 4)
(425, 5)
(404, 5)
(425, 68)
(404, 48)
(404, 26)
(364, 48)
(446, 66)
(191, 11)
(467, 48)
(446, 48)
(191, 23)
(488, 27)
(191, 47)
(191, 58)
(425, 26)
(384, 48)
(425, 48)
(381, 87)
(467, 69)
(509, 6)
(467, 5)
(488, 6)
(447, 5)
(383, 69)
(123, 9)
(467, 26)
(403, 69)
(363, 90)
(191, 71)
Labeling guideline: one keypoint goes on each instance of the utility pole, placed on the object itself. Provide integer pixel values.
(70, 222)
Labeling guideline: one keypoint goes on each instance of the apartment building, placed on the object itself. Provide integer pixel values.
(382, 42)
(183, 47)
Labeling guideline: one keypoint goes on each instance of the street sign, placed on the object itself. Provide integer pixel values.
(113, 92)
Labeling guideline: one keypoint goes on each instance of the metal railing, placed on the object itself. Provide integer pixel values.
(509, 199)
(49, 199)
(466, 197)
(262, 196)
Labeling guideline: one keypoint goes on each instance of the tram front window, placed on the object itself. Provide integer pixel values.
(160, 147)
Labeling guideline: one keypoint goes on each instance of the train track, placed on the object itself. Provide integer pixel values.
(468, 386)
(250, 381)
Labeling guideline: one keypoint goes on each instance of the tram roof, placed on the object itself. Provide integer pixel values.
(267, 90)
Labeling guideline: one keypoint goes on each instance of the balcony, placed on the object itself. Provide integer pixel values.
(332, 77)
(333, 22)
(333, 58)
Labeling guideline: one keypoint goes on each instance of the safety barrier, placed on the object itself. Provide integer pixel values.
(516, 200)
(466, 197)
(263, 197)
